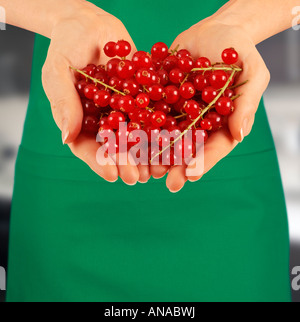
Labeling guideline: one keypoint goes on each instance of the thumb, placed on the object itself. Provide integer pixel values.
(66, 106)
(258, 77)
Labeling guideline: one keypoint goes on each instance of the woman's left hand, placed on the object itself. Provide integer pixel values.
(209, 39)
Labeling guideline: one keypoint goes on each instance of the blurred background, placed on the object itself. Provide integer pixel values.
(282, 55)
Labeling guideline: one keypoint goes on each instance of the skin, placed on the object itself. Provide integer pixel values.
(240, 23)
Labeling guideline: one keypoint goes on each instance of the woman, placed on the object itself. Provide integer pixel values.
(76, 237)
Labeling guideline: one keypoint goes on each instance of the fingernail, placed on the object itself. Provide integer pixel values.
(65, 131)
(244, 129)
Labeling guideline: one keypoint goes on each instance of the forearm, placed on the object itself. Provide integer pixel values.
(39, 16)
(261, 19)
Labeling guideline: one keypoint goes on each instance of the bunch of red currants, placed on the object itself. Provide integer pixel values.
(167, 91)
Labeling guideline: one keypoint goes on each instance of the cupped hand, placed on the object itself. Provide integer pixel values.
(77, 40)
(208, 39)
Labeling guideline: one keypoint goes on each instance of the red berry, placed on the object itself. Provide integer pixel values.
(110, 49)
(115, 118)
(160, 51)
(230, 56)
(143, 116)
(170, 63)
(156, 92)
(134, 126)
(218, 79)
(116, 83)
(187, 91)
(123, 48)
(144, 77)
(126, 104)
(170, 122)
(112, 67)
(162, 106)
(89, 108)
(176, 76)
(80, 86)
(102, 76)
(193, 109)
(89, 70)
(198, 134)
(142, 100)
(202, 62)
(163, 77)
(141, 59)
(131, 87)
(209, 94)
(90, 124)
(180, 105)
(206, 125)
(224, 106)
(125, 69)
(114, 101)
(229, 93)
(183, 53)
(102, 98)
(158, 119)
(183, 125)
(90, 90)
(200, 82)
(105, 132)
(186, 64)
(215, 119)
(103, 121)
(156, 64)
(171, 94)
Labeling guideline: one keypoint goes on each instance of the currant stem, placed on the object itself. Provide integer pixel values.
(180, 116)
(227, 69)
(200, 116)
(174, 51)
(239, 85)
(95, 80)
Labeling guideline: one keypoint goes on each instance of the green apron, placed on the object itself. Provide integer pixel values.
(75, 237)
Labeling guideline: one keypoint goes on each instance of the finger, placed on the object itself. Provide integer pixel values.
(159, 171)
(218, 146)
(86, 149)
(145, 175)
(58, 83)
(128, 170)
(176, 178)
(258, 77)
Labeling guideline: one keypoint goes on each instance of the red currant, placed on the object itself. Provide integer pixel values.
(123, 48)
(131, 87)
(110, 49)
(171, 94)
(218, 79)
(209, 94)
(224, 106)
(201, 82)
(215, 119)
(170, 122)
(163, 77)
(103, 121)
(170, 63)
(115, 118)
(125, 69)
(90, 124)
(112, 67)
(193, 109)
(90, 90)
(116, 83)
(202, 62)
(160, 51)
(187, 91)
(134, 126)
(105, 132)
(162, 106)
(102, 98)
(158, 119)
(126, 104)
(206, 125)
(142, 100)
(144, 77)
(229, 93)
(89, 70)
(89, 108)
(114, 101)
(183, 53)
(176, 76)
(183, 125)
(230, 56)
(80, 86)
(186, 64)
(156, 92)
(141, 59)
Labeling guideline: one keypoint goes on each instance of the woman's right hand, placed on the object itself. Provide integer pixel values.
(77, 40)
